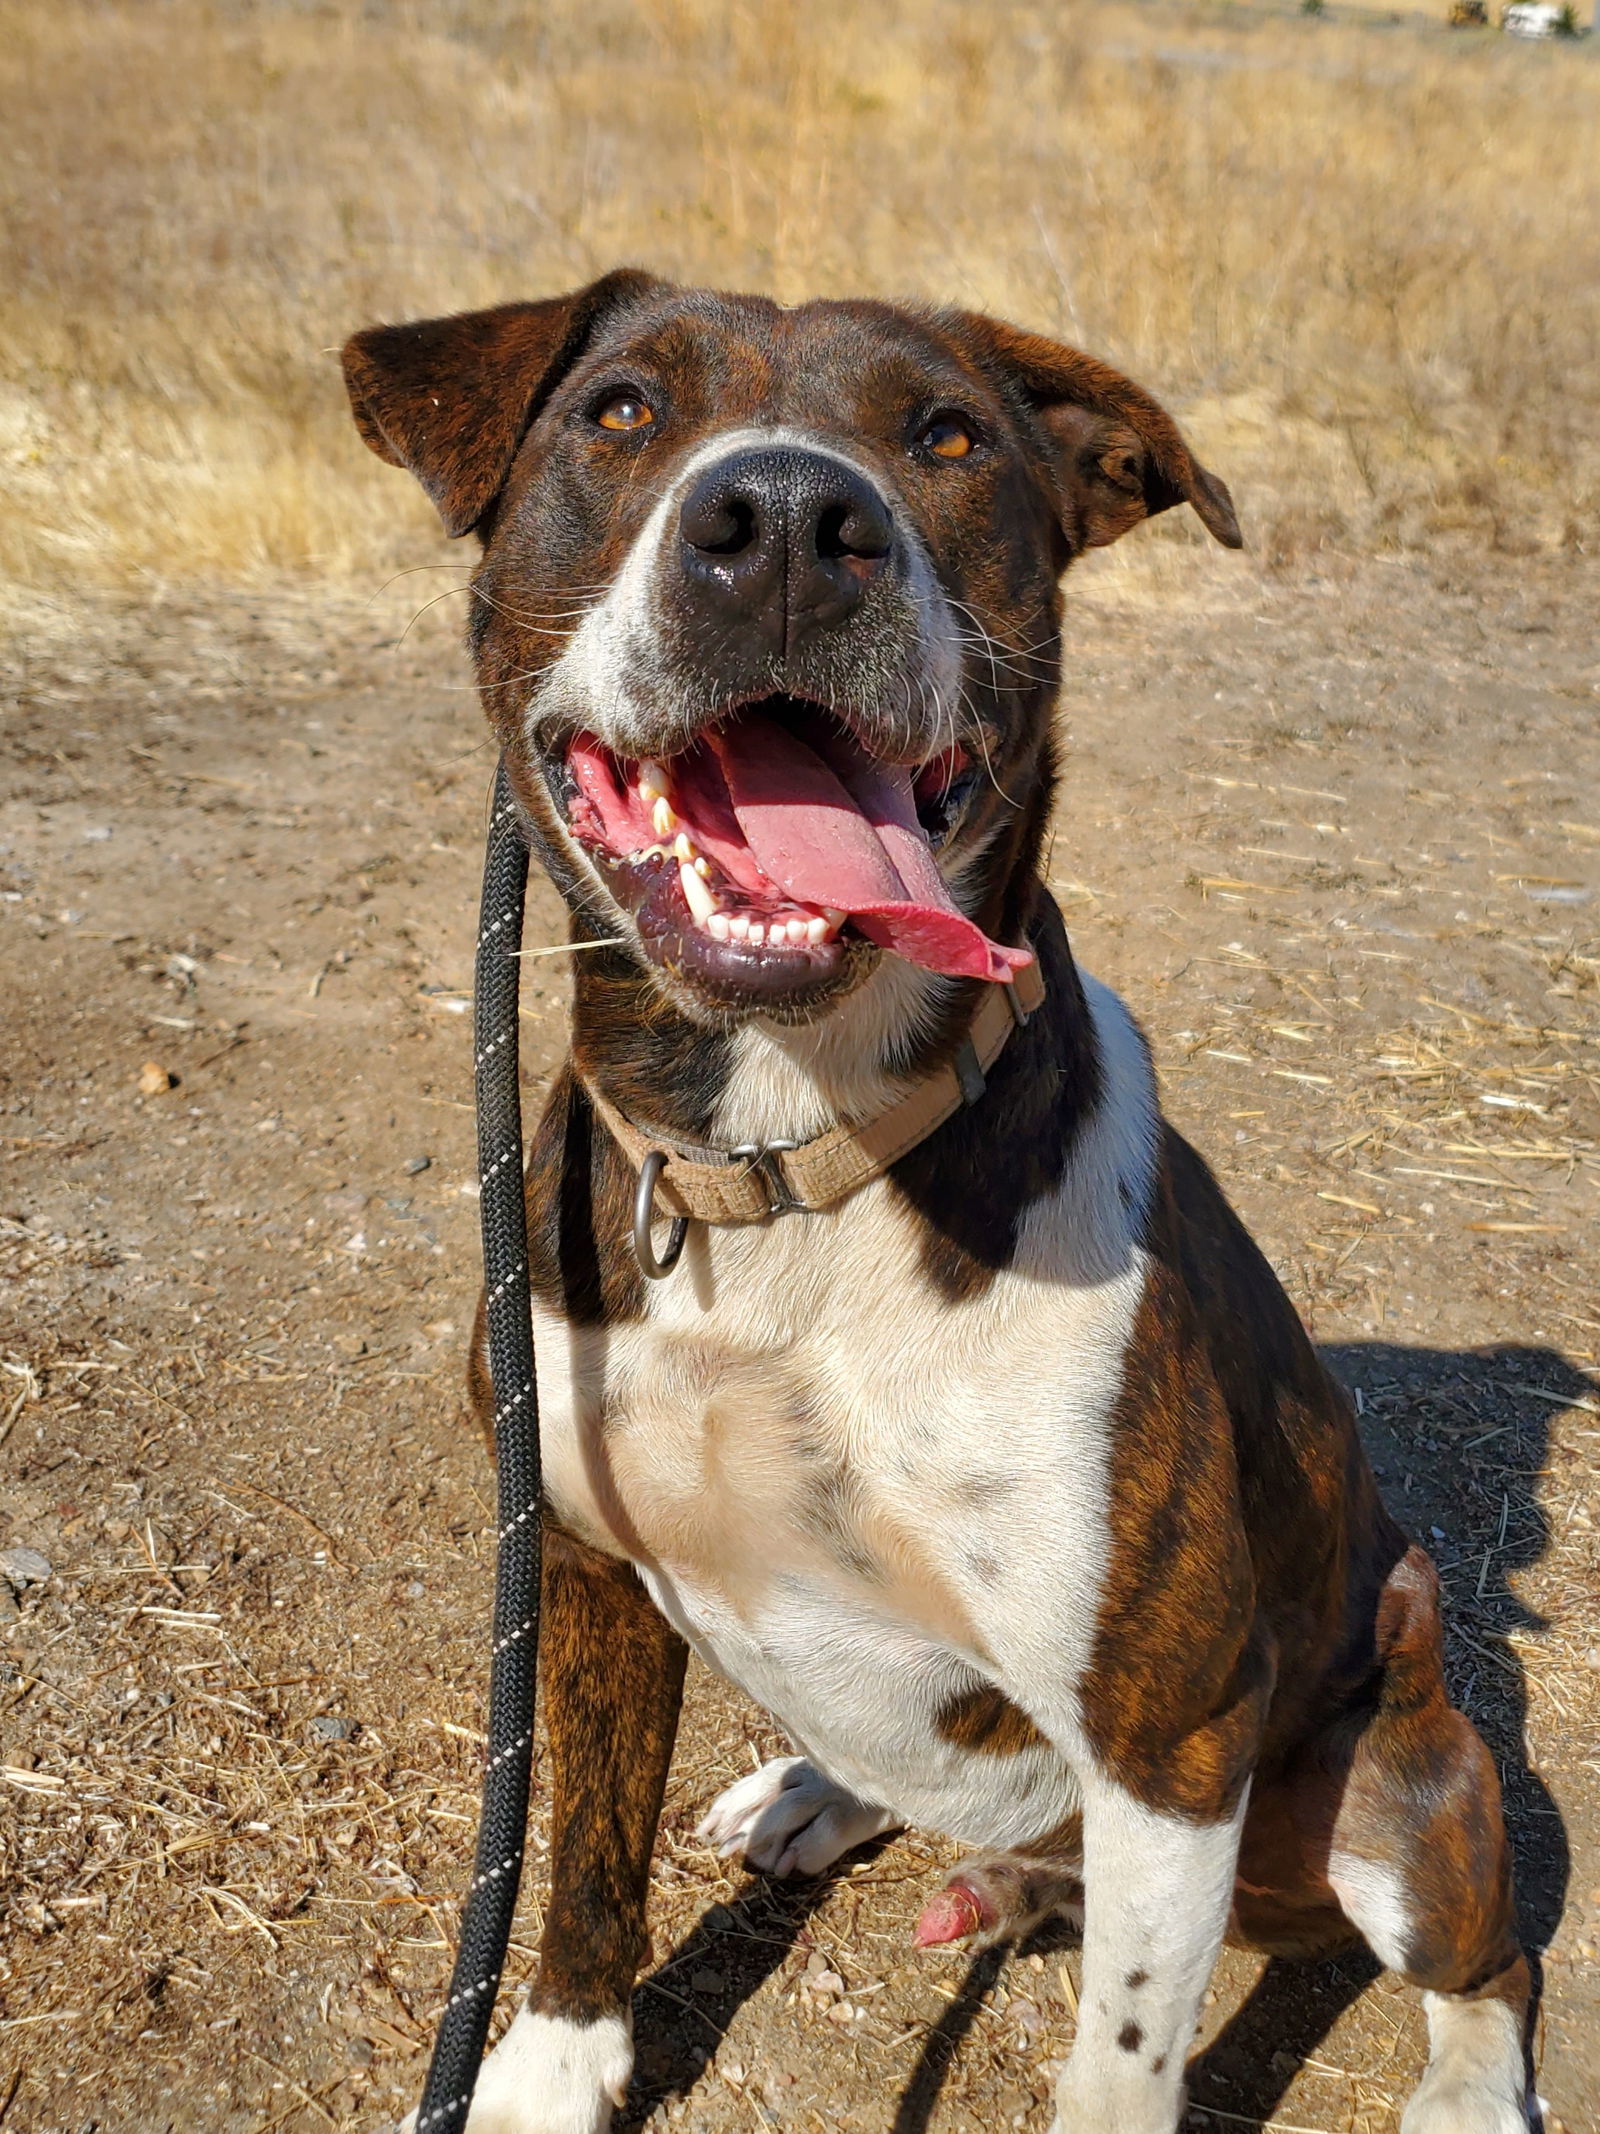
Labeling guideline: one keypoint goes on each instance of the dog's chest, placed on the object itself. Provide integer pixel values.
(830, 1474)
(856, 1497)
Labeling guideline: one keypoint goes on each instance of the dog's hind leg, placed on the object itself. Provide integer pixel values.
(789, 1818)
(1420, 1865)
(613, 1678)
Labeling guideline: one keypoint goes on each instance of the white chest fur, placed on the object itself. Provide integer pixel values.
(855, 1498)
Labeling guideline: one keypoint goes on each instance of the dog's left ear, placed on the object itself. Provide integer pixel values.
(451, 399)
(1115, 456)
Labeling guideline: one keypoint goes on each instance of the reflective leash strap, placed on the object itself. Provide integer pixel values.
(492, 1898)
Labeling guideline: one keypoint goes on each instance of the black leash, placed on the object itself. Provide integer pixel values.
(502, 1827)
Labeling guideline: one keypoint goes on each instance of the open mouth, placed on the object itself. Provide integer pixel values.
(758, 855)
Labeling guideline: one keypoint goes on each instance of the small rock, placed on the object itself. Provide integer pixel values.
(1592, 1657)
(416, 1165)
(98, 833)
(24, 1566)
(706, 1980)
(826, 1982)
(154, 1080)
(1437, 1532)
(9, 1611)
(326, 1727)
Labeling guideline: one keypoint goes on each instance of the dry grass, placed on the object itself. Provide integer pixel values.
(1360, 258)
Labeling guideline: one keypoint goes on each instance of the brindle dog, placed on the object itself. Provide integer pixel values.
(1010, 1484)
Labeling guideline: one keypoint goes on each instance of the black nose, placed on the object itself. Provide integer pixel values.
(783, 541)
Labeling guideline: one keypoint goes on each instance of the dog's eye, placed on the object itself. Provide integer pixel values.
(625, 411)
(947, 437)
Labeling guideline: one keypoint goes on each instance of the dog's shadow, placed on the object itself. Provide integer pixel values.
(1422, 1410)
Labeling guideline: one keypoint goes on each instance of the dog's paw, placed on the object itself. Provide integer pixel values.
(550, 2076)
(788, 1819)
(1475, 2081)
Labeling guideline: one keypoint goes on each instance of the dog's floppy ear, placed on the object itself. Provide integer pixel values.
(451, 399)
(1115, 455)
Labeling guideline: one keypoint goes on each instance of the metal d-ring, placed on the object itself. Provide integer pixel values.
(644, 1203)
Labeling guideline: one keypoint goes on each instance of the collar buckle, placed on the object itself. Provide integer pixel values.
(762, 1157)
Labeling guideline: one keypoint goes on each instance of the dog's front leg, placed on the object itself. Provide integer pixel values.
(1157, 1890)
(613, 1678)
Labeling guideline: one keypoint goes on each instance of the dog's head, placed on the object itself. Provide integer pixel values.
(767, 615)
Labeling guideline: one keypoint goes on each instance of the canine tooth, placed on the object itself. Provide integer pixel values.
(696, 894)
(654, 783)
(719, 926)
(816, 932)
(739, 926)
(834, 918)
(662, 817)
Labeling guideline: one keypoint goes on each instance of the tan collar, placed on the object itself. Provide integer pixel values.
(746, 1185)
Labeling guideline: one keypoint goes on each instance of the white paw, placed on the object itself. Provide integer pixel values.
(1474, 2082)
(549, 2076)
(788, 1819)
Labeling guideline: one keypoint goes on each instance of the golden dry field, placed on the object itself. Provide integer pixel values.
(1361, 260)
(1331, 823)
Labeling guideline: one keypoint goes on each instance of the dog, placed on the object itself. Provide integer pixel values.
(955, 1417)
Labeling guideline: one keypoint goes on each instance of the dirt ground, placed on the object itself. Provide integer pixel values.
(1338, 838)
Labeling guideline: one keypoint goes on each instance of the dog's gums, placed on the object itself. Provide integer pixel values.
(775, 847)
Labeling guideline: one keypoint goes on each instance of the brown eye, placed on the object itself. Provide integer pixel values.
(947, 437)
(625, 411)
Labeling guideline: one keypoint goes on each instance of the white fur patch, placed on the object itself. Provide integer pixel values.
(1372, 1896)
(1476, 2081)
(549, 2076)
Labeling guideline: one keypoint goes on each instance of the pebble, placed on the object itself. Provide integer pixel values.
(24, 1566)
(1592, 1657)
(416, 1165)
(326, 1727)
(154, 1080)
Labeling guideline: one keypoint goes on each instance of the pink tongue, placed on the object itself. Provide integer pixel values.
(847, 836)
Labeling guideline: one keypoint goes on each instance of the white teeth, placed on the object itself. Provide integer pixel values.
(834, 918)
(739, 926)
(662, 818)
(757, 935)
(683, 847)
(719, 926)
(696, 894)
(654, 783)
(702, 867)
(797, 932)
(816, 932)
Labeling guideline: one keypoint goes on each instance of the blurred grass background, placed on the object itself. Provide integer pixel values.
(1361, 261)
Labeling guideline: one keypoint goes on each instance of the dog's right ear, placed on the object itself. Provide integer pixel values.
(451, 399)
